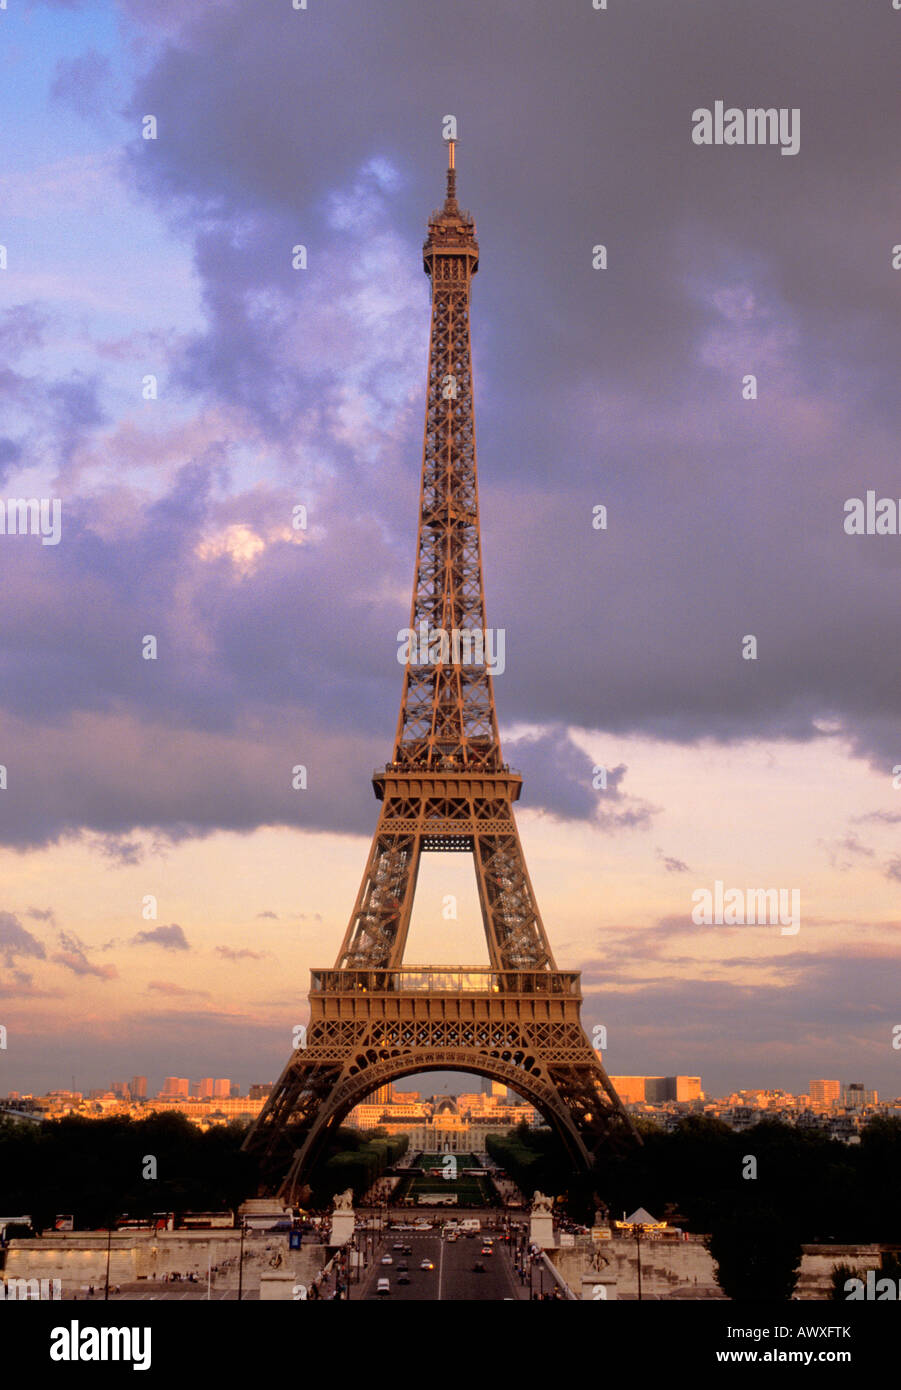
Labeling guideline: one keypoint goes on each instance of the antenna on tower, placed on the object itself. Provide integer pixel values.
(451, 172)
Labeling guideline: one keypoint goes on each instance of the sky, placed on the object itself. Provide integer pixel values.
(181, 388)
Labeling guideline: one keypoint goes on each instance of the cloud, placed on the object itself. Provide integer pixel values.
(307, 386)
(83, 83)
(74, 957)
(118, 848)
(179, 991)
(228, 953)
(845, 853)
(16, 941)
(893, 869)
(673, 866)
(824, 1007)
(171, 938)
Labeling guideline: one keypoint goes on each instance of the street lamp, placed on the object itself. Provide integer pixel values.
(109, 1241)
(639, 1231)
(241, 1260)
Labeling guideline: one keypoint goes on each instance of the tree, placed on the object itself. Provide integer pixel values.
(840, 1275)
(757, 1251)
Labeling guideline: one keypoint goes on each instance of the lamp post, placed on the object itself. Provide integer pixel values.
(109, 1242)
(241, 1260)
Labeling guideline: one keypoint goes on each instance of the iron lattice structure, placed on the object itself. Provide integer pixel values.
(373, 1019)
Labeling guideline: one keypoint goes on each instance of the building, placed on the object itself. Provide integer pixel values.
(855, 1096)
(176, 1086)
(657, 1090)
(825, 1092)
(138, 1087)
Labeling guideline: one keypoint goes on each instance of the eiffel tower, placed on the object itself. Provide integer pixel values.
(374, 1018)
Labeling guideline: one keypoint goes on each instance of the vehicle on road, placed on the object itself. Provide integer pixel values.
(478, 1268)
(398, 1245)
(403, 1267)
(386, 1260)
(383, 1286)
(426, 1264)
(403, 1279)
(487, 1250)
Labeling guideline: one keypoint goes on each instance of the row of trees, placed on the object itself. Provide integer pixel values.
(355, 1160)
(97, 1170)
(759, 1194)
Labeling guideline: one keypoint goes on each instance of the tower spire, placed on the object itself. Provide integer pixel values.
(450, 201)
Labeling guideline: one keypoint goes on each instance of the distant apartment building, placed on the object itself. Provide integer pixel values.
(825, 1092)
(176, 1086)
(138, 1087)
(259, 1090)
(855, 1096)
(405, 1110)
(656, 1090)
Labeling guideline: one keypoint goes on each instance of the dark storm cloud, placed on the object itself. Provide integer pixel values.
(560, 774)
(620, 387)
(725, 516)
(826, 1007)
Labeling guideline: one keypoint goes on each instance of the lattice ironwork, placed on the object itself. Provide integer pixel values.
(447, 788)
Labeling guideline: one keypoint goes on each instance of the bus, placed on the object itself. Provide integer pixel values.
(159, 1221)
(207, 1220)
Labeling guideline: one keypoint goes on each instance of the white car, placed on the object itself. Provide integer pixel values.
(386, 1260)
(383, 1286)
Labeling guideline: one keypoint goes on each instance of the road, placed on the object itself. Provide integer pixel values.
(453, 1278)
